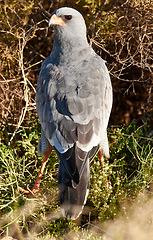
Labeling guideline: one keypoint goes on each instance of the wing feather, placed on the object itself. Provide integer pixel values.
(74, 106)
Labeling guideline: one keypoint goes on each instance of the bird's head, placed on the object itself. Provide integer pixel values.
(68, 20)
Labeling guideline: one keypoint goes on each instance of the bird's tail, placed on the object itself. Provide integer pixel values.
(73, 196)
(73, 181)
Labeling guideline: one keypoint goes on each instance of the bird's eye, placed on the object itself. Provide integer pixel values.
(68, 17)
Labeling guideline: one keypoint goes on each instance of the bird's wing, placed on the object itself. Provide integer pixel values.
(74, 104)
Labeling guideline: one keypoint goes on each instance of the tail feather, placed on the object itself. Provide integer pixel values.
(73, 198)
(73, 193)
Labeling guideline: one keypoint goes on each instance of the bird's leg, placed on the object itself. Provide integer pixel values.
(101, 159)
(35, 188)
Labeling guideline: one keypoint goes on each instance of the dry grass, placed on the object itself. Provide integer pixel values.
(119, 31)
(134, 223)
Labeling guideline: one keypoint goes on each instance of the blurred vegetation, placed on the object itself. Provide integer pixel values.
(119, 31)
(119, 181)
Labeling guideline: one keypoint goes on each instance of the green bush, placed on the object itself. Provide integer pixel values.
(127, 173)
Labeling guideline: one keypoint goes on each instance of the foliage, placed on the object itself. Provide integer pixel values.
(120, 32)
(124, 176)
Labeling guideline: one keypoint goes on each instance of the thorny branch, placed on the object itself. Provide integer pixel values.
(17, 85)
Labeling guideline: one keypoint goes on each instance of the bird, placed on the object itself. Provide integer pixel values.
(73, 101)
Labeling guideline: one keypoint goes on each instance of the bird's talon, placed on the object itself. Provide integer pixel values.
(23, 190)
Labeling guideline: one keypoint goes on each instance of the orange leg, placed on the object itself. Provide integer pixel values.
(100, 154)
(35, 188)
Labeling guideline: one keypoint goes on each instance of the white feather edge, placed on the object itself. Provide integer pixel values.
(95, 140)
(73, 218)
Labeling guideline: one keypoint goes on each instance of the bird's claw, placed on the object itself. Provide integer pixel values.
(34, 190)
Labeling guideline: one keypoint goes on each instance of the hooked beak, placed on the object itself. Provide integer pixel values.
(55, 20)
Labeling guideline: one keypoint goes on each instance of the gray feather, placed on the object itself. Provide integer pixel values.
(74, 100)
